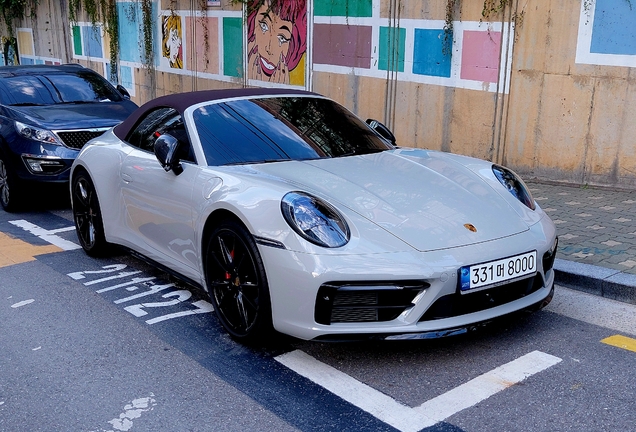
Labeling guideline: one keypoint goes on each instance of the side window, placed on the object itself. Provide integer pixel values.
(156, 123)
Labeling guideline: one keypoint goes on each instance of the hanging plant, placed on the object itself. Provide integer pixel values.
(203, 7)
(16, 10)
(447, 44)
(104, 12)
(146, 27)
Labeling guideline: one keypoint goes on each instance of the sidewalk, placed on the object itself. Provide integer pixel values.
(597, 237)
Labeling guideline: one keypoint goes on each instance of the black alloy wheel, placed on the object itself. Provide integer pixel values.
(87, 215)
(8, 188)
(237, 283)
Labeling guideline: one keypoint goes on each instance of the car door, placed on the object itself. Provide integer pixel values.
(158, 203)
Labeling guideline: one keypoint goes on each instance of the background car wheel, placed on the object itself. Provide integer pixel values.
(87, 215)
(9, 190)
(237, 283)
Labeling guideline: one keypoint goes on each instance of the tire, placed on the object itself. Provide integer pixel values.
(237, 283)
(9, 188)
(88, 216)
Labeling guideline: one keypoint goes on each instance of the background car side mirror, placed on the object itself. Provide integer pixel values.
(123, 91)
(381, 130)
(166, 150)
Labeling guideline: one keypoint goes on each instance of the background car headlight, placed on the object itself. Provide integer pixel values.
(37, 134)
(515, 185)
(315, 220)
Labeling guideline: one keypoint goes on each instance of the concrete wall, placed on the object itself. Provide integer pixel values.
(553, 97)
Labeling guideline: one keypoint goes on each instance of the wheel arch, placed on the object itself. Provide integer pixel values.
(215, 218)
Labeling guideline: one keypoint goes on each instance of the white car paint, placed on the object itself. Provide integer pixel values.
(406, 209)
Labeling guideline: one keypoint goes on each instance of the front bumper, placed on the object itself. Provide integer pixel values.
(32, 161)
(295, 280)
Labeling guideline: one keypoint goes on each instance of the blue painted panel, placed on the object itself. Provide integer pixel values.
(614, 28)
(27, 61)
(125, 74)
(130, 32)
(92, 42)
(429, 56)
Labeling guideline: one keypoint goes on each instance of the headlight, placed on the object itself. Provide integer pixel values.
(37, 134)
(515, 185)
(315, 220)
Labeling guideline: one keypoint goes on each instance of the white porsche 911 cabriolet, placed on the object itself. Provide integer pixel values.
(296, 216)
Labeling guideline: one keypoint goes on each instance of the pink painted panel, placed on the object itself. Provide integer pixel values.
(342, 45)
(480, 56)
(197, 29)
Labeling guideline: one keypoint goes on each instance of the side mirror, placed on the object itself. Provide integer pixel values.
(381, 130)
(123, 91)
(166, 148)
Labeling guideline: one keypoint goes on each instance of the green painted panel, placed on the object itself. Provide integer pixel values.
(346, 8)
(392, 47)
(77, 40)
(233, 47)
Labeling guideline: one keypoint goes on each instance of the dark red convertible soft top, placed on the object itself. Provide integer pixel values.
(181, 101)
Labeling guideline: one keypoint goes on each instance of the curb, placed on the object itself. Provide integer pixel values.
(600, 281)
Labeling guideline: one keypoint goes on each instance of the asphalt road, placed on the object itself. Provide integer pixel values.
(114, 345)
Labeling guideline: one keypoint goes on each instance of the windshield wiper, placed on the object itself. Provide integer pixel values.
(358, 152)
(264, 161)
(79, 102)
(27, 104)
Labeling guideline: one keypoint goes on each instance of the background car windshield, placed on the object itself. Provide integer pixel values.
(285, 128)
(58, 88)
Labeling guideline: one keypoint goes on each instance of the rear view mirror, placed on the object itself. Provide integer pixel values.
(381, 130)
(123, 91)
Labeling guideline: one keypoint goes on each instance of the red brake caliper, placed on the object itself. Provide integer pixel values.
(227, 274)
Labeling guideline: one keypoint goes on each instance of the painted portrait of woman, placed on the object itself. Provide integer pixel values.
(277, 40)
(172, 41)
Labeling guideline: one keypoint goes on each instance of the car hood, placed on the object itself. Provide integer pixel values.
(429, 200)
(75, 116)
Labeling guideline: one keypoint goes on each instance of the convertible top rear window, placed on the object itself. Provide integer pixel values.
(281, 128)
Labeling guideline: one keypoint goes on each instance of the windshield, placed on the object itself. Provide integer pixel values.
(281, 128)
(55, 88)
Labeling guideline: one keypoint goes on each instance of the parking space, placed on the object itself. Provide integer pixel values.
(475, 382)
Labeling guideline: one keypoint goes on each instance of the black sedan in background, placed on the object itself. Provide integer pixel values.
(47, 114)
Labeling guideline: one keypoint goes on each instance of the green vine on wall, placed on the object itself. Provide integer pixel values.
(104, 12)
(447, 44)
(146, 26)
(490, 10)
(15, 10)
(203, 7)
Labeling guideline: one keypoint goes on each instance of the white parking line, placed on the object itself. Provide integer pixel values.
(409, 419)
(46, 235)
(22, 303)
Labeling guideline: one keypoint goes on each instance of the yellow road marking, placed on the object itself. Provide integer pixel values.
(621, 342)
(16, 251)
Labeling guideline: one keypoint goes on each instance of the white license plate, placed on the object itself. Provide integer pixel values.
(497, 272)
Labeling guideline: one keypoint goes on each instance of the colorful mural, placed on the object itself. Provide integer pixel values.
(277, 41)
(607, 34)
(269, 47)
(172, 41)
(417, 50)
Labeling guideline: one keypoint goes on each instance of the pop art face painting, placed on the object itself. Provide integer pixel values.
(277, 41)
(172, 41)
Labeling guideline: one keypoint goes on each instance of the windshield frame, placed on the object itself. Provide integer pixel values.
(369, 136)
(48, 84)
